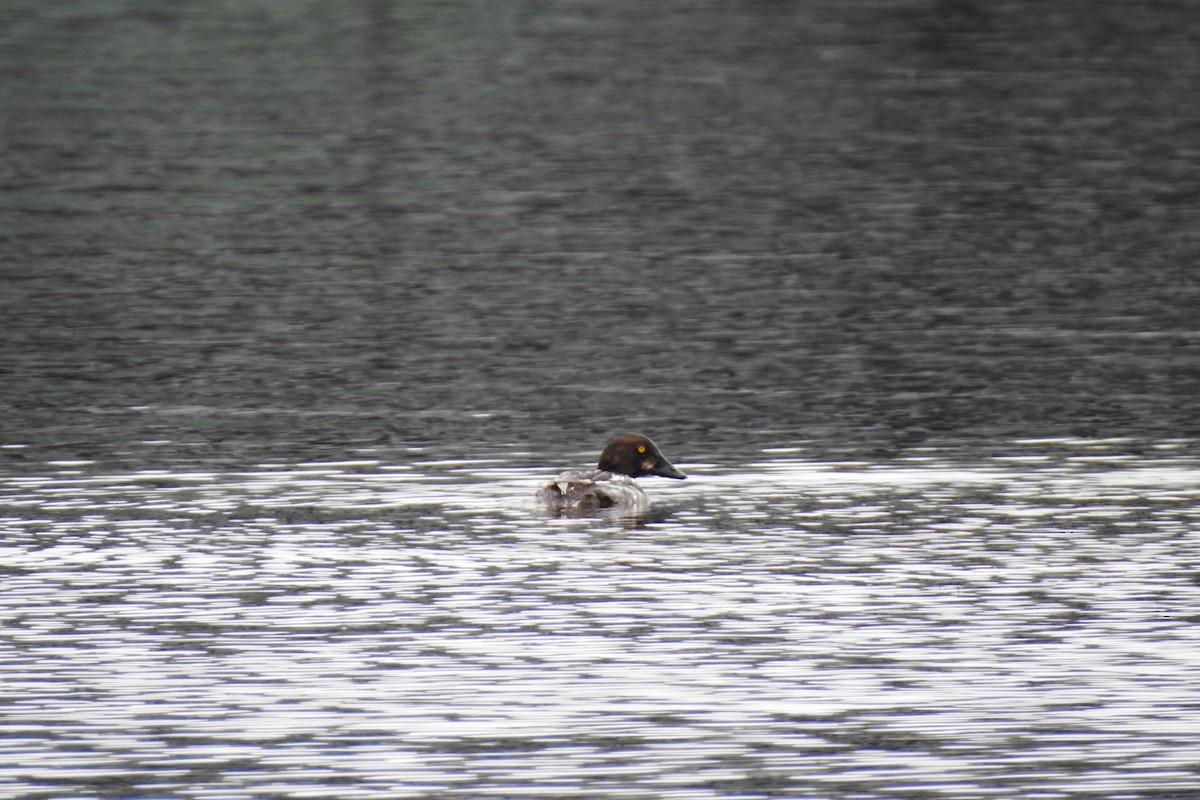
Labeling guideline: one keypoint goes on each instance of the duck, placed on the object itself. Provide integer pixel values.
(611, 484)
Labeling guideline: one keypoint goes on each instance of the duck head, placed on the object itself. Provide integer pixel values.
(635, 455)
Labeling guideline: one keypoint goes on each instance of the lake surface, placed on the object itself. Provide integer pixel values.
(301, 302)
(1021, 626)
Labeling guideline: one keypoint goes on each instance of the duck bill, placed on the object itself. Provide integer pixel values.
(667, 470)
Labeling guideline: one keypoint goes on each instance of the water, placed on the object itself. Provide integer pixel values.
(1022, 626)
(301, 302)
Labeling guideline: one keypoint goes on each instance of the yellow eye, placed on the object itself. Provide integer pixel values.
(641, 448)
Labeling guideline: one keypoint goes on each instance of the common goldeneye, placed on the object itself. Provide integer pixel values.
(611, 483)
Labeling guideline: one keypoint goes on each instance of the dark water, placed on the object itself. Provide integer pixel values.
(300, 301)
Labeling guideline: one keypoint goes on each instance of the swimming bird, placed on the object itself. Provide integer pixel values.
(611, 484)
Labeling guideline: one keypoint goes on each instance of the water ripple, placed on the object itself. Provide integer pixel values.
(930, 629)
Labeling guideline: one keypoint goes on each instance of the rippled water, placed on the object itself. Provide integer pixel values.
(300, 302)
(396, 625)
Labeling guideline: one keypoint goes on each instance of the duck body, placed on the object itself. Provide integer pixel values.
(611, 484)
(590, 490)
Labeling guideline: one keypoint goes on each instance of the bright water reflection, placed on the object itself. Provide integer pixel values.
(1020, 626)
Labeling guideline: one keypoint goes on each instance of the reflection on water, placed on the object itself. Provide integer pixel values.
(923, 628)
(235, 233)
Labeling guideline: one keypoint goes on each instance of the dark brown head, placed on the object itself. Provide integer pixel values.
(634, 455)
